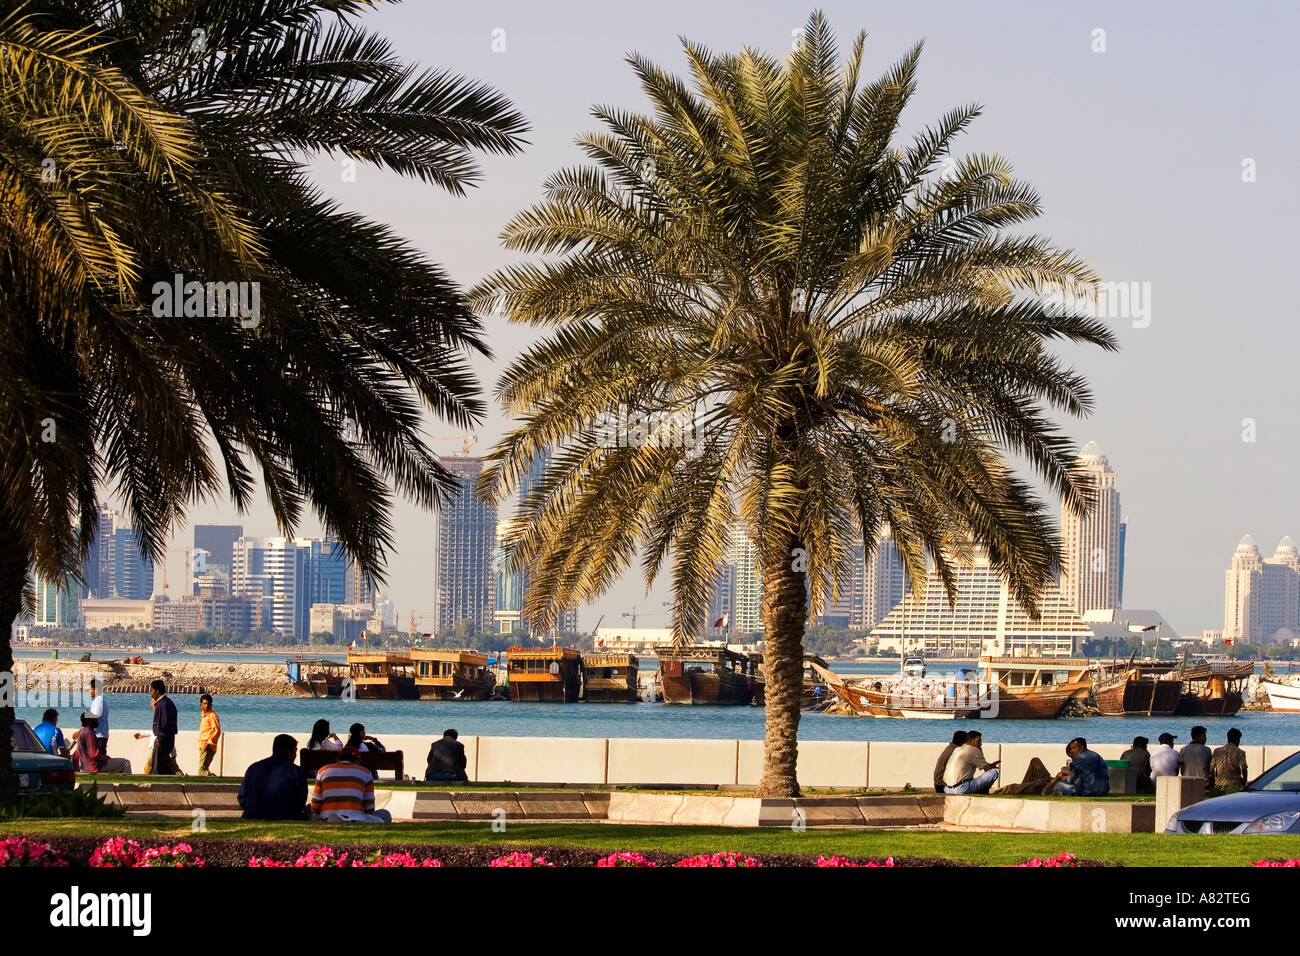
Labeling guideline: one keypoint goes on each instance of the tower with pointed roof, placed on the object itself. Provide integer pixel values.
(1262, 595)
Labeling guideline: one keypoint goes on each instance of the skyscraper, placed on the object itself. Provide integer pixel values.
(1262, 596)
(132, 570)
(1091, 543)
(275, 574)
(467, 536)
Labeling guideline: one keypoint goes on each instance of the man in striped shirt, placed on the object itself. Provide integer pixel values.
(345, 792)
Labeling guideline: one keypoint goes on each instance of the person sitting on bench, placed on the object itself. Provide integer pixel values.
(345, 792)
(447, 759)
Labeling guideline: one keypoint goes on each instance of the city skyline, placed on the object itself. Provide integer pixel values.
(1118, 156)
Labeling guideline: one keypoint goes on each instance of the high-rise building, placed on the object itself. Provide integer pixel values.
(1262, 595)
(58, 603)
(985, 619)
(329, 570)
(747, 585)
(873, 588)
(219, 541)
(97, 572)
(1091, 543)
(463, 565)
(278, 572)
(133, 571)
(508, 600)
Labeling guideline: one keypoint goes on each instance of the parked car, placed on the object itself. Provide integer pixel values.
(37, 770)
(1269, 804)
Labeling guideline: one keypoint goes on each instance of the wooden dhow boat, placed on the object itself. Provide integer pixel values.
(549, 674)
(907, 695)
(1283, 693)
(1035, 688)
(382, 675)
(611, 678)
(1141, 688)
(707, 674)
(452, 675)
(816, 695)
(1213, 689)
(316, 677)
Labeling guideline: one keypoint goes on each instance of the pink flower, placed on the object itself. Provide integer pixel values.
(264, 861)
(402, 859)
(722, 858)
(1276, 863)
(23, 852)
(624, 859)
(1064, 859)
(520, 859)
(845, 861)
(117, 851)
(322, 856)
(178, 855)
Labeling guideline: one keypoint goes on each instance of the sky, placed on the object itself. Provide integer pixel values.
(1162, 140)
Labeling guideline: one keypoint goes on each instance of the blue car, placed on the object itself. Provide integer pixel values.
(1269, 804)
(37, 770)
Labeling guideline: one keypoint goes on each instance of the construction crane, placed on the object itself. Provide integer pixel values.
(189, 568)
(467, 441)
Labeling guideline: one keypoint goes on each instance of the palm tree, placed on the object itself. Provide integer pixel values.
(853, 334)
(142, 140)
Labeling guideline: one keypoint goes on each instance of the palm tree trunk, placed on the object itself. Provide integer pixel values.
(785, 601)
(13, 576)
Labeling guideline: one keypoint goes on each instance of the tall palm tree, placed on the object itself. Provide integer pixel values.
(855, 336)
(142, 139)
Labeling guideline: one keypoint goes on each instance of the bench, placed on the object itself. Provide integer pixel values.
(372, 760)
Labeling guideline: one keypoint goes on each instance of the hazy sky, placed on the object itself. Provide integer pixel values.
(1138, 154)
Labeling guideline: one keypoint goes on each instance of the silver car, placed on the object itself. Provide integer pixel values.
(1269, 804)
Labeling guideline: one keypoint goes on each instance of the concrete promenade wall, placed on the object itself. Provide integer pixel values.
(646, 760)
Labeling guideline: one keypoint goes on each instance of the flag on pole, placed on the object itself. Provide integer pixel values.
(351, 644)
(722, 621)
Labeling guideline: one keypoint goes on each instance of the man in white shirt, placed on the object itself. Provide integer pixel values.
(1164, 759)
(959, 776)
(99, 709)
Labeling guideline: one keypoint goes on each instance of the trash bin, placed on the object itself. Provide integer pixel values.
(54, 654)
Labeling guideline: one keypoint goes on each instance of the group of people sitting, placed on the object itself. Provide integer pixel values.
(276, 788)
(1224, 767)
(962, 768)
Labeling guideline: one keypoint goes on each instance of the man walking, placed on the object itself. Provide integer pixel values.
(1228, 764)
(99, 710)
(209, 734)
(164, 729)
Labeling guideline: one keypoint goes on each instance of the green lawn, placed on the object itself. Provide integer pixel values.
(1138, 849)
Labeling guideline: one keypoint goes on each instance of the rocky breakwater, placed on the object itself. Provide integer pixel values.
(262, 680)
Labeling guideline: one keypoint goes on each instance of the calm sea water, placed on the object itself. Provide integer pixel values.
(506, 719)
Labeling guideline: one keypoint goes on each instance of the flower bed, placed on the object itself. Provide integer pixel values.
(24, 852)
(1276, 863)
(78, 851)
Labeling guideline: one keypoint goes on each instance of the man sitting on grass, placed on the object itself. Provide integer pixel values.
(940, 765)
(345, 792)
(959, 776)
(275, 788)
(1086, 776)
